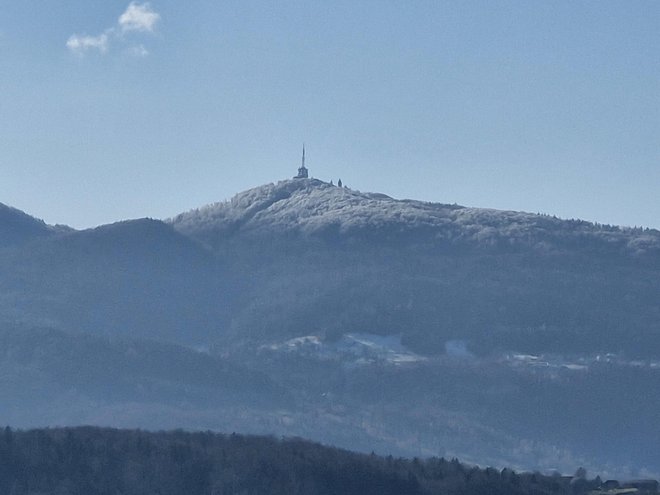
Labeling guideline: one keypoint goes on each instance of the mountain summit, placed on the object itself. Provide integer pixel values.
(312, 208)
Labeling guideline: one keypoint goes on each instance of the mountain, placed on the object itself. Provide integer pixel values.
(398, 326)
(319, 259)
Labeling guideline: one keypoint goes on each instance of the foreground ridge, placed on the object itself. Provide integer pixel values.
(109, 461)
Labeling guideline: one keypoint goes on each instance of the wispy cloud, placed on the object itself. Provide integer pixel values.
(138, 17)
(80, 44)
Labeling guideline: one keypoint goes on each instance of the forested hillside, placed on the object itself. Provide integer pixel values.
(93, 461)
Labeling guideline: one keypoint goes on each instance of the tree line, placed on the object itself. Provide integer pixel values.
(101, 461)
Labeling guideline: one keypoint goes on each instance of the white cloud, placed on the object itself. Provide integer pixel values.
(80, 44)
(138, 17)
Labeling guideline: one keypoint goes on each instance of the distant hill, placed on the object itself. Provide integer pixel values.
(137, 278)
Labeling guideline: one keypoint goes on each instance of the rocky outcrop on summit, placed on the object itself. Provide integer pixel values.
(310, 207)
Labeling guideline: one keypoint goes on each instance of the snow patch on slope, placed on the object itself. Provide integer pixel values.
(352, 349)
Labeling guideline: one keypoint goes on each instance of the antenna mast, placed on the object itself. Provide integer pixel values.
(302, 171)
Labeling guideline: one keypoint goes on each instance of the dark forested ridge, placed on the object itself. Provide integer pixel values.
(95, 461)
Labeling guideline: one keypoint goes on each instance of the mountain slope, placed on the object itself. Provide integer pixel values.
(138, 278)
(17, 227)
(69, 378)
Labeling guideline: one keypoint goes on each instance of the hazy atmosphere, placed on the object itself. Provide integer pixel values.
(112, 110)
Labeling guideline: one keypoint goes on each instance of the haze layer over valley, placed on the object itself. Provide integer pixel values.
(362, 321)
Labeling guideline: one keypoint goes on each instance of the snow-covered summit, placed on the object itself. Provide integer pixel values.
(312, 207)
(308, 206)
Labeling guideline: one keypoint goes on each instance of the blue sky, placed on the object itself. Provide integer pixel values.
(111, 110)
